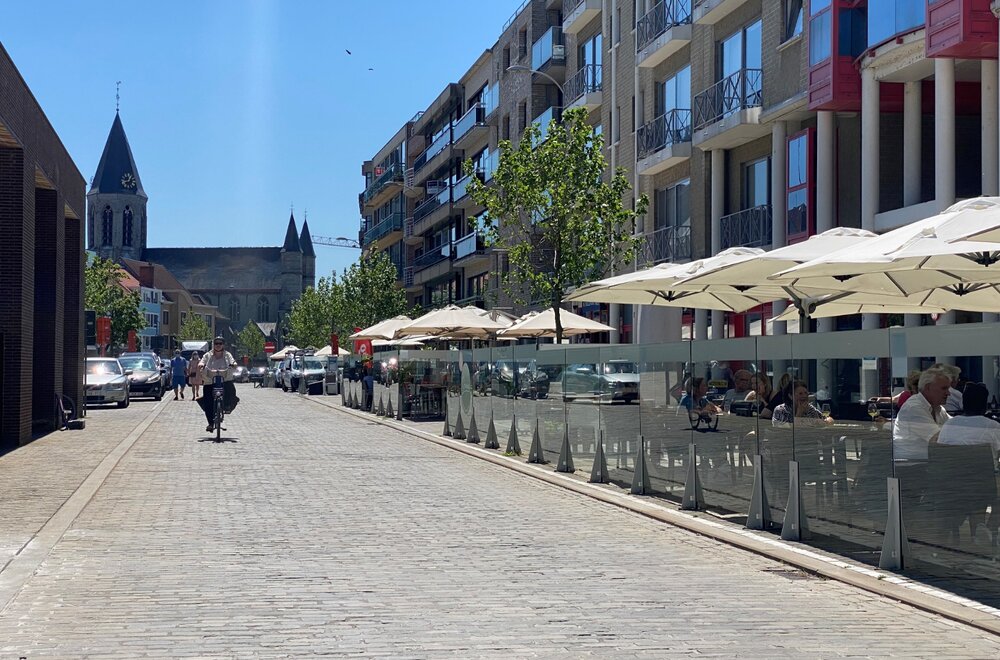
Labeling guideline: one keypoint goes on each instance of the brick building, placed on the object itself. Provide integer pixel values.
(41, 266)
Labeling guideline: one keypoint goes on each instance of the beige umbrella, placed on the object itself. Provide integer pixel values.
(453, 321)
(383, 329)
(543, 324)
(328, 350)
(839, 305)
(280, 355)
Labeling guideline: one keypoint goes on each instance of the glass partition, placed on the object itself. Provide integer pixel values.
(482, 404)
(666, 430)
(502, 392)
(424, 378)
(579, 384)
(550, 359)
(772, 373)
(524, 390)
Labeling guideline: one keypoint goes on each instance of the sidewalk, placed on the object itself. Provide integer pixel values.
(320, 532)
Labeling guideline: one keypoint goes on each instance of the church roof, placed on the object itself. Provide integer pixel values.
(291, 237)
(305, 240)
(221, 268)
(116, 163)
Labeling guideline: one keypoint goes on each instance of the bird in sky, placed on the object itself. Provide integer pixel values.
(348, 52)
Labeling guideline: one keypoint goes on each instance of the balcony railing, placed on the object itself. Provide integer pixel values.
(432, 257)
(665, 15)
(671, 127)
(459, 190)
(748, 228)
(584, 81)
(735, 92)
(430, 204)
(439, 144)
(468, 245)
(671, 244)
(543, 121)
(408, 276)
(548, 49)
(491, 99)
(476, 116)
(393, 222)
(392, 173)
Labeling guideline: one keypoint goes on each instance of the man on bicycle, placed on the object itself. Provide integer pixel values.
(218, 359)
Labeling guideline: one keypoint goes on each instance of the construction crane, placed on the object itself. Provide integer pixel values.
(340, 241)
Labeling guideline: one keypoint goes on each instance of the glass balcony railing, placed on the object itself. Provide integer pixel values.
(459, 189)
(490, 164)
(548, 49)
(543, 120)
(468, 245)
(431, 204)
(585, 81)
(491, 99)
(738, 91)
(431, 257)
(440, 143)
(393, 222)
(476, 116)
(665, 15)
(392, 173)
(888, 18)
(747, 228)
(672, 127)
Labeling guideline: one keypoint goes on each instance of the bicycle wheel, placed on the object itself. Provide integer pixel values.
(218, 420)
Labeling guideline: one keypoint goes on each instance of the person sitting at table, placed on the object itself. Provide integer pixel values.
(917, 425)
(695, 401)
(954, 404)
(799, 411)
(782, 393)
(972, 427)
(738, 393)
(911, 388)
(760, 392)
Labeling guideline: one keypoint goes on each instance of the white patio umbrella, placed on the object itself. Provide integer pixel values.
(543, 324)
(455, 322)
(383, 329)
(837, 305)
(280, 355)
(328, 350)
(615, 280)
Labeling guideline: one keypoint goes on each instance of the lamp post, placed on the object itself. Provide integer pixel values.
(521, 67)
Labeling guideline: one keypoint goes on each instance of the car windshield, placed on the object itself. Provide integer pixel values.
(313, 364)
(137, 364)
(620, 368)
(101, 367)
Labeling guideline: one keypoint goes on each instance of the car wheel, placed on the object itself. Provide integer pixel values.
(295, 385)
(158, 396)
(124, 402)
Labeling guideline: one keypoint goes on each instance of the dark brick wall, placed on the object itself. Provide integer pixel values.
(47, 338)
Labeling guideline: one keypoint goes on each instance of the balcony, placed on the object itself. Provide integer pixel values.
(410, 187)
(584, 88)
(491, 100)
(668, 244)
(388, 226)
(408, 236)
(664, 142)
(470, 128)
(470, 250)
(431, 257)
(663, 31)
(384, 187)
(709, 12)
(433, 157)
(578, 13)
(408, 279)
(727, 114)
(964, 29)
(462, 200)
(475, 300)
(543, 120)
(548, 53)
(748, 228)
(433, 210)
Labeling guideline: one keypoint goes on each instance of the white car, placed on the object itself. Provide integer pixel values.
(107, 382)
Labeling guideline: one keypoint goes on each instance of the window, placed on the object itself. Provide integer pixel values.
(506, 127)
(506, 57)
(756, 183)
(522, 116)
(90, 227)
(127, 226)
(165, 317)
(263, 309)
(799, 185)
(184, 318)
(672, 206)
(590, 51)
(793, 18)
(820, 31)
(618, 124)
(618, 25)
(107, 226)
(234, 309)
(674, 93)
(741, 51)
(522, 43)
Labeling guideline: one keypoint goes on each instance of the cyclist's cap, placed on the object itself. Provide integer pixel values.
(177, 351)
(219, 340)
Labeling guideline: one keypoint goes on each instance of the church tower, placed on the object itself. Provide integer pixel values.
(116, 202)
(308, 257)
(291, 269)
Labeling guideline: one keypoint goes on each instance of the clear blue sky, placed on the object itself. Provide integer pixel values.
(236, 109)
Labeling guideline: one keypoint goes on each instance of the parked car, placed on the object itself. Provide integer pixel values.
(257, 374)
(145, 378)
(290, 370)
(314, 372)
(107, 382)
(615, 380)
(527, 381)
(241, 374)
(162, 365)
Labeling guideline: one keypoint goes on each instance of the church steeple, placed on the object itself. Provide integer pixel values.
(117, 173)
(308, 257)
(291, 237)
(116, 202)
(305, 241)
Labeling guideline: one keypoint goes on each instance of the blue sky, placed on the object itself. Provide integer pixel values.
(237, 109)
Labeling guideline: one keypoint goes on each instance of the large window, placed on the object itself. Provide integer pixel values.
(756, 183)
(674, 93)
(263, 309)
(799, 186)
(127, 226)
(590, 51)
(887, 18)
(672, 206)
(793, 18)
(107, 226)
(234, 309)
(740, 51)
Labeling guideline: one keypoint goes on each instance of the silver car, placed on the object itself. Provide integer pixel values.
(615, 380)
(107, 382)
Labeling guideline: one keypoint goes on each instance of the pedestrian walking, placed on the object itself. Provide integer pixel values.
(178, 373)
(194, 377)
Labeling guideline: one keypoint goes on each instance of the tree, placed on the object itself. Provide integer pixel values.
(312, 317)
(194, 328)
(551, 210)
(105, 294)
(370, 293)
(251, 340)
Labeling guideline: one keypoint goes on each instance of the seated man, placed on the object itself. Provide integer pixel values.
(738, 393)
(918, 424)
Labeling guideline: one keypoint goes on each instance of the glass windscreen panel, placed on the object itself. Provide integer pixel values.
(887, 18)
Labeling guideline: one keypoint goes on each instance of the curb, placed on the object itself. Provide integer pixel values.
(882, 583)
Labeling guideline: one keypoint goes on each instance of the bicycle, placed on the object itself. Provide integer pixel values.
(218, 400)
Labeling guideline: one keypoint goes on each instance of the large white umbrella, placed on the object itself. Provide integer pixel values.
(840, 305)
(280, 355)
(543, 324)
(581, 292)
(328, 350)
(453, 321)
(383, 329)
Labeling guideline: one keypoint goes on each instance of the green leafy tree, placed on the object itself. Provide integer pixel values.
(312, 316)
(550, 207)
(105, 294)
(250, 340)
(370, 293)
(194, 328)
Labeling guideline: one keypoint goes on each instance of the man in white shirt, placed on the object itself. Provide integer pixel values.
(972, 427)
(918, 424)
(738, 393)
(954, 403)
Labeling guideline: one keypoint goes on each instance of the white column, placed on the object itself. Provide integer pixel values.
(944, 132)
(826, 178)
(701, 324)
(948, 318)
(912, 118)
(991, 134)
(779, 153)
(718, 207)
(911, 321)
(614, 320)
(869, 148)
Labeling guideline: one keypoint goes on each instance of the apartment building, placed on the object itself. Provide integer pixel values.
(745, 122)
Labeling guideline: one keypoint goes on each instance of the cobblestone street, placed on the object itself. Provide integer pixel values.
(315, 532)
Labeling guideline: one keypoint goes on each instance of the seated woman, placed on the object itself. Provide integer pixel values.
(696, 403)
(799, 411)
(760, 391)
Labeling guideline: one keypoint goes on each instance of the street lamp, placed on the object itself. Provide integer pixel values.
(521, 67)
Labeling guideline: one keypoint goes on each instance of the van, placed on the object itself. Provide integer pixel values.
(189, 347)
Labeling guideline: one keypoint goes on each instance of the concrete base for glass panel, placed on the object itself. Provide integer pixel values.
(759, 515)
(535, 451)
(694, 499)
(459, 432)
(381, 405)
(795, 527)
(599, 473)
(491, 435)
(388, 408)
(513, 446)
(895, 548)
(640, 478)
(473, 434)
(447, 426)
(565, 455)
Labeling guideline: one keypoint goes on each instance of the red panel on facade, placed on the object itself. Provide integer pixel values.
(835, 84)
(961, 28)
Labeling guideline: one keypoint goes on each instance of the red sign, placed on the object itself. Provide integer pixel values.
(379, 171)
(363, 347)
(103, 332)
(334, 344)
(269, 347)
(131, 340)
(246, 360)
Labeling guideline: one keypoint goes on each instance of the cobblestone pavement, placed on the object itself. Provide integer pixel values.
(318, 533)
